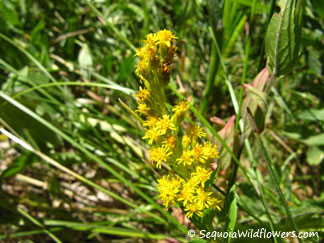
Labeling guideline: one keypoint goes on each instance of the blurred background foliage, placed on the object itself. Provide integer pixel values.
(67, 64)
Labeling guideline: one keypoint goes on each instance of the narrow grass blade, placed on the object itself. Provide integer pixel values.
(94, 158)
(28, 233)
(77, 176)
(95, 227)
(40, 66)
(92, 84)
(36, 222)
(30, 82)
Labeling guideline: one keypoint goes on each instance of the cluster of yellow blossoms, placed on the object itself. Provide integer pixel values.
(189, 160)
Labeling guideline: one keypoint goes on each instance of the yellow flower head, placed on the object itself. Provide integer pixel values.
(186, 158)
(181, 108)
(164, 124)
(150, 121)
(159, 155)
(201, 175)
(214, 203)
(187, 192)
(165, 37)
(141, 52)
(142, 95)
(170, 142)
(196, 132)
(198, 153)
(168, 188)
(203, 198)
(192, 159)
(143, 109)
(193, 208)
(210, 151)
(150, 40)
(152, 134)
(186, 140)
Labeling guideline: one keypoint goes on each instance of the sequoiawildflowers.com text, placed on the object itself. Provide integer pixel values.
(252, 233)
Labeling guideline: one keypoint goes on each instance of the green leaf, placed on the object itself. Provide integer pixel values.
(196, 220)
(18, 165)
(210, 181)
(315, 140)
(283, 37)
(207, 219)
(85, 61)
(259, 117)
(312, 115)
(315, 155)
(230, 209)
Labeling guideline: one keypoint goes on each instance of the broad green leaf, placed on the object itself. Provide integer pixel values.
(283, 37)
(315, 140)
(312, 115)
(85, 61)
(230, 209)
(315, 155)
(318, 7)
(208, 217)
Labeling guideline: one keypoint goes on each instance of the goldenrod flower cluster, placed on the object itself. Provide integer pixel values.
(189, 159)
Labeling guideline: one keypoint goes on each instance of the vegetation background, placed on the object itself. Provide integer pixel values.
(73, 165)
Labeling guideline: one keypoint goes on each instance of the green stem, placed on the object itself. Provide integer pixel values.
(269, 167)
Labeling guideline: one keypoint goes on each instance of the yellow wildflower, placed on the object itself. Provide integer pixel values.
(196, 132)
(150, 121)
(181, 108)
(165, 37)
(142, 95)
(151, 134)
(150, 40)
(193, 208)
(162, 129)
(141, 52)
(186, 140)
(203, 198)
(210, 151)
(143, 109)
(201, 175)
(214, 203)
(159, 155)
(142, 67)
(164, 124)
(186, 158)
(198, 153)
(186, 193)
(168, 189)
(170, 142)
